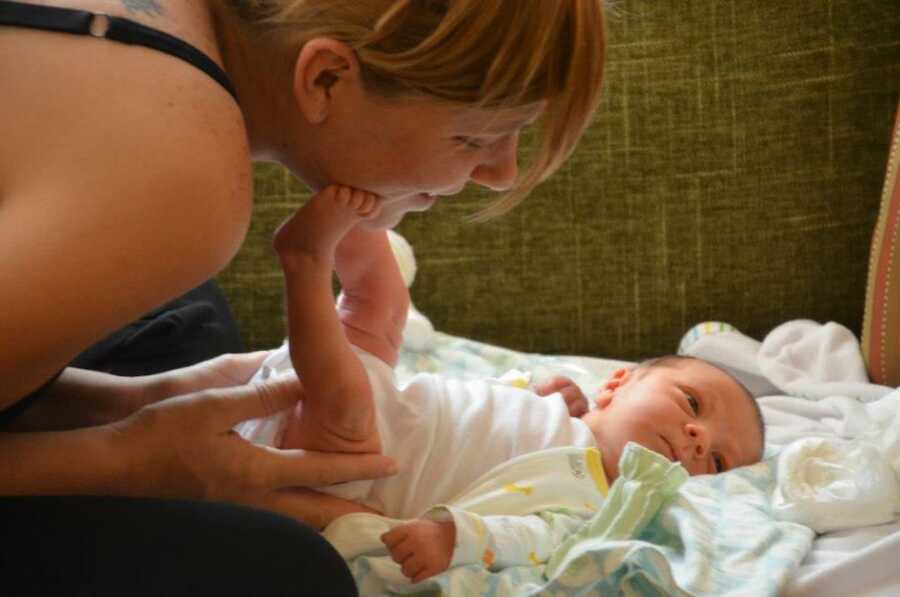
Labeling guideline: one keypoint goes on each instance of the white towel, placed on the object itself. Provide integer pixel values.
(829, 484)
(812, 360)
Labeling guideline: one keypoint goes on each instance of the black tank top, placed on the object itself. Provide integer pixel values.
(82, 22)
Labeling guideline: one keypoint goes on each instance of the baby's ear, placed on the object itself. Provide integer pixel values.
(604, 398)
(617, 378)
(609, 387)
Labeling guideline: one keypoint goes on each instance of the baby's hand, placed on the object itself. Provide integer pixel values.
(423, 548)
(575, 399)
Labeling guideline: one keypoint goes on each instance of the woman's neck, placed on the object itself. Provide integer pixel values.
(258, 75)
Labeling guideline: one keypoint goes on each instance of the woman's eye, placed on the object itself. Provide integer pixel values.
(720, 464)
(469, 142)
(695, 406)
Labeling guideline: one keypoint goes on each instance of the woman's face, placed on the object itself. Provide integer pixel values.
(414, 152)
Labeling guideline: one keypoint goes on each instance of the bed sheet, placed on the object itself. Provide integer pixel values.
(798, 563)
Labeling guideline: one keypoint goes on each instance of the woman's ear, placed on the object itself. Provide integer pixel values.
(324, 68)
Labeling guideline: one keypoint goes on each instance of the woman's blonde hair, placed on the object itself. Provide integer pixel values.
(488, 54)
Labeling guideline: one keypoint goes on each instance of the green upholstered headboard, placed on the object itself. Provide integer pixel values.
(733, 172)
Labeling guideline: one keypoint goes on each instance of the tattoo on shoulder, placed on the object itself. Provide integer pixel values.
(147, 7)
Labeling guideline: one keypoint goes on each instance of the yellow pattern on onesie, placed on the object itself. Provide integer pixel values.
(519, 511)
(513, 488)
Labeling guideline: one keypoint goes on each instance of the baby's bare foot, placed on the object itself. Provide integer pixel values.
(317, 227)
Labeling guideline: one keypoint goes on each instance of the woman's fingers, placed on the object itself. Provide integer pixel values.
(229, 406)
(239, 368)
(223, 371)
(303, 468)
(309, 506)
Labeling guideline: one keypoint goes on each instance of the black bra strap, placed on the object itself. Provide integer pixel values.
(67, 20)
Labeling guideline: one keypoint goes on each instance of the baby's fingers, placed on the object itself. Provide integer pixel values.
(425, 574)
(554, 384)
(575, 402)
(413, 568)
(394, 537)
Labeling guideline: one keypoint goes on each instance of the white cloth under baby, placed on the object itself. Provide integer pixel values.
(829, 484)
(443, 433)
(798, 358)
(813, 360)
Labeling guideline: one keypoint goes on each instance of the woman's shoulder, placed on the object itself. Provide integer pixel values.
(111, 118)
(125, 180)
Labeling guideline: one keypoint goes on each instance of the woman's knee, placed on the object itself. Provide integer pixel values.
(136, 546)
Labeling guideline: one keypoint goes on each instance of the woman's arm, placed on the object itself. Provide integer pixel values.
(185, 447)
(108, 209)
(82, 398)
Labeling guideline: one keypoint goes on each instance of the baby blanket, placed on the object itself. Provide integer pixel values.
(562, 489)
(718, 535)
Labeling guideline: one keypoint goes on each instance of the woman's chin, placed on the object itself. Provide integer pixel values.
(423, 202)
(392, 212)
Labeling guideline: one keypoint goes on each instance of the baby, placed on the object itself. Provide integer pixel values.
(446, 433)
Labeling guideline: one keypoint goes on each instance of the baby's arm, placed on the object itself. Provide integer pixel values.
(426, 547)
(337, 413)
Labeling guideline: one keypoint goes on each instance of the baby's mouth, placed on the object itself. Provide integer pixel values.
(670, 451)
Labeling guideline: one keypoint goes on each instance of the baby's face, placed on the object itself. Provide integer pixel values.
(687, 410)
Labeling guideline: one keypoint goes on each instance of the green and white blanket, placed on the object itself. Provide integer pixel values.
(710, 535)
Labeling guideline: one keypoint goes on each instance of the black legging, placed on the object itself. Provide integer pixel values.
(135, 546)
(119, 546)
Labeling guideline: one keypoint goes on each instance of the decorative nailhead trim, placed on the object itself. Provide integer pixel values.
(889, 245)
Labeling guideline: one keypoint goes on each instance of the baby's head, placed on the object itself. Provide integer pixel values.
(687, 409)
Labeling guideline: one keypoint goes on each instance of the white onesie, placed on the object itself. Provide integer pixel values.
(443, 433)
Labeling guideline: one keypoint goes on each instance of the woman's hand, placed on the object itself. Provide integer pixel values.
(186, 447)
(84, 398)
(575, 399)
(220, 372)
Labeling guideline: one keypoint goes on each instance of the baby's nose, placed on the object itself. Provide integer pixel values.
(698, 439)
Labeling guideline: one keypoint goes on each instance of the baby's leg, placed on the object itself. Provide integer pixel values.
(374, 301)
(337, 412)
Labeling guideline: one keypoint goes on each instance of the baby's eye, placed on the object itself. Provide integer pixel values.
(719, 463)
(695, 405)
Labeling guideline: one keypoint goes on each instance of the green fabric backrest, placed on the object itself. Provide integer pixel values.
(732, 173)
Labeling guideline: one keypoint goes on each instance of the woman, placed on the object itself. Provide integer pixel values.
(125, 180)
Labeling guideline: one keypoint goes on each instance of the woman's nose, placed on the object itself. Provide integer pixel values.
(500, 168)
(698, 439)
